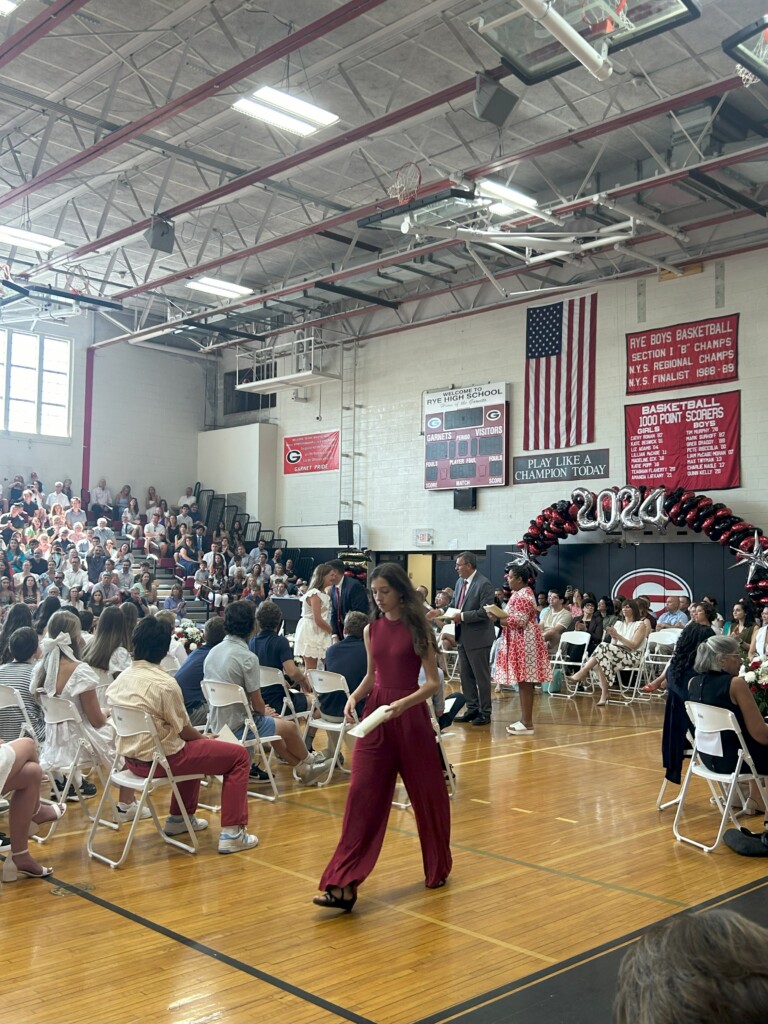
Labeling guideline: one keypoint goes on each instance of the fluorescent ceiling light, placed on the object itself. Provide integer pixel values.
(217, 287)
(506, 194)
(28, 239)
(7, 7)
(275, 117)
(292, 105)
(502, 210)
(284, 111)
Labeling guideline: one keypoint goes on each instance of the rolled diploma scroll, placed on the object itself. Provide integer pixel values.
(373, 721)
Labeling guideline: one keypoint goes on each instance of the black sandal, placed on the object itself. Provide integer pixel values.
(332, 902)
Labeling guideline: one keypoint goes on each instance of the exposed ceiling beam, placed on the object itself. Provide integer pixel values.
(690, 98)
(40, 26)
(315, 30)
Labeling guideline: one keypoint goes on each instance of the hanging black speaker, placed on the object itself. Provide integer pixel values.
(346, 532)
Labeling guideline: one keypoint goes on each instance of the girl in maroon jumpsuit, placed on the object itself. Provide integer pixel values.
(398, 641)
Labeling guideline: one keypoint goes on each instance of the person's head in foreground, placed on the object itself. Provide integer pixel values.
(708, 968)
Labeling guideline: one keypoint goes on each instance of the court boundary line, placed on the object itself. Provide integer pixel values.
(214, 954)
(459, 1010)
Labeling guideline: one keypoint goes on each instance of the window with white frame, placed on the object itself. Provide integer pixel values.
(34, 384)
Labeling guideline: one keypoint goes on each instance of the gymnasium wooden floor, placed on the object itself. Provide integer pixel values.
(557, 846)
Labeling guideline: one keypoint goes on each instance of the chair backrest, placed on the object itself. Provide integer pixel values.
(664, 638)
(707, 718)
(270, 676)
(576, 638)
(223, 695)
(58, 709)
(327, 682)
(11, 699)
(130, 721)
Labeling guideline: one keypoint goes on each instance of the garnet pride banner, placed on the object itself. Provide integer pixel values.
(683, 356)
(685, 442)
(311, 453)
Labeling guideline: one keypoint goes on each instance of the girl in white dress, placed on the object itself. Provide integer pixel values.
(313, 633)
(61, 673)
(21, 776)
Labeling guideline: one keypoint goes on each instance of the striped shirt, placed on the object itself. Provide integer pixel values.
(18, 676)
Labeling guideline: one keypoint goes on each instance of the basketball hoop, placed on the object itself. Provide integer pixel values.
(406, 183)
(746, 76)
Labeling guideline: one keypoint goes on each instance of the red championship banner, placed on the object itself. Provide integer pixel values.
(311, 453)
(685, 442)
(683, 356)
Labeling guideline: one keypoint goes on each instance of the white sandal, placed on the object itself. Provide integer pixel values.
(518, 729)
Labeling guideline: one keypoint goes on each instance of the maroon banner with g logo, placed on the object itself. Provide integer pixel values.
(685, 442)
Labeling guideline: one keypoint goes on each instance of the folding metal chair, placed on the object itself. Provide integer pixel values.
(629, 680)
(563, 659)
(12, 701)
(710, 723)
(405, 804)
(274, 677)
(325, 683)
(659, 650)
(127, 722)
(225, 695)
(60, 711)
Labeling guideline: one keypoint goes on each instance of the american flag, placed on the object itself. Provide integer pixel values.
(560, 381)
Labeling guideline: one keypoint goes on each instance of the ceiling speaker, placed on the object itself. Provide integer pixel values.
(160, 235)
(492, 101)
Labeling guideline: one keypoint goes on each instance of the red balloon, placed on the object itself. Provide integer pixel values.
(539, 520)
(573, 510)
(708, 524)
(571, 528)
(746, 544)
(726, 537)
(723, 512)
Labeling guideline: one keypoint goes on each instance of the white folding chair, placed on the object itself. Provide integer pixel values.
(12, 701)
(629, 679)
(129, 722)
(450, 654)
(661, 804)
(564, 660)
(405, 804)
(325, 683)
(710, 725)
(659, 650)
(225, 695)
(62, 711)
(274, 677)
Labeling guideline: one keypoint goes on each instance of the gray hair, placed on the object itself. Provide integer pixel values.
(709, 657)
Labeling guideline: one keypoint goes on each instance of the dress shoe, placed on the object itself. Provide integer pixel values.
(469, 716)
(481, 720)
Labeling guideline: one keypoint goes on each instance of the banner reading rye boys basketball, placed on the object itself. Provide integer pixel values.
(311, 453)
(465, 437)
(683, 356)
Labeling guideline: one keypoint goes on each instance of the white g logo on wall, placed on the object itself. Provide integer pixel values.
(293, 456)
(655, 584)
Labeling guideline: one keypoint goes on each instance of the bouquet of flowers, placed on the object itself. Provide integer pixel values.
(757, 680)
(189, 634)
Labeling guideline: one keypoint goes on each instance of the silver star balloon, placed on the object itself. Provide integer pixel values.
(757, 558)
(523, 558)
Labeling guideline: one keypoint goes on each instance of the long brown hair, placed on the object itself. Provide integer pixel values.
(411, 605)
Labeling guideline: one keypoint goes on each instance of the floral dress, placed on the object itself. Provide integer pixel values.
(522, 655)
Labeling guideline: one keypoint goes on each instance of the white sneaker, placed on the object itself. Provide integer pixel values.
(176, 828)
(130, 813)
(234, 842)
(308, 772)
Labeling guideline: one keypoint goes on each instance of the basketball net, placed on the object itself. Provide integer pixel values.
(406, 183)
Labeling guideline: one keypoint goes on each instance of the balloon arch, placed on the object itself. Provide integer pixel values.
(639, 508)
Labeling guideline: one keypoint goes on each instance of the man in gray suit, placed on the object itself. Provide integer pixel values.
(474, 638)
